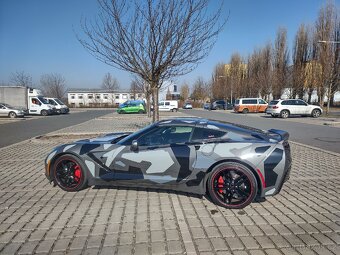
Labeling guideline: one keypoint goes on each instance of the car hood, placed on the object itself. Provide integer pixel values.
(108, 138)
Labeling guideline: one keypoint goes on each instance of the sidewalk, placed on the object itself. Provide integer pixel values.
(36, 217)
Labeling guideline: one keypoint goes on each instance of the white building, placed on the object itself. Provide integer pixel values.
(169, 91)
(99, 97)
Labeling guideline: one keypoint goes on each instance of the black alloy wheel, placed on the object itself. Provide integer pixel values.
(245, 110)
(69, 173)
(232, 186)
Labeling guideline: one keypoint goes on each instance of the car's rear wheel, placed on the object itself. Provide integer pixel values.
(232, 185)
(245, 110)
(316, 113)
(69, 173)
(140, 111)
(284, 114)
(12, 115)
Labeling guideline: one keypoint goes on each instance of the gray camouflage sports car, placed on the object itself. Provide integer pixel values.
(233, 164)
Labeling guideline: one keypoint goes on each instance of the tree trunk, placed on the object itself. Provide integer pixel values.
(310, 91)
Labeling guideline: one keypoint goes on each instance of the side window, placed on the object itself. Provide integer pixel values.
(262, 101)
(206, 133)
(167, 103)
(166, 135)
(284, 102)
(300, 102)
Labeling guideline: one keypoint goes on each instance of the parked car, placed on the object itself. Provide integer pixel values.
(10, 111)
(132, 106)
(61, 108)
(187, 106)
(168, 106)
(285, 108)
(232, 163)
(246, 105)
(221, 105)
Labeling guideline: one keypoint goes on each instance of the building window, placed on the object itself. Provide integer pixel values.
(80, 96)
(97, 96)
(125, 96)
(72, 96)
(175, 88)
(106, 96)
(73, 104)
(89, 96)
(81, 104)
(117, 96)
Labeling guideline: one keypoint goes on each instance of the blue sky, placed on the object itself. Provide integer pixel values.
(38, 37)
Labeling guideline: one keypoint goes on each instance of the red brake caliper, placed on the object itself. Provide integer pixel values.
(77, 173)
(220, 184)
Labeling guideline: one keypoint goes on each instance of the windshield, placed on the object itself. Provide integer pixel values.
(43, 100)
(58, 101)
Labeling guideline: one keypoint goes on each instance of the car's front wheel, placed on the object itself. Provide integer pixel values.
(245, 111)
(69, 173)
(232, 185)
(12, 115)
(316, 113)
(44, 113)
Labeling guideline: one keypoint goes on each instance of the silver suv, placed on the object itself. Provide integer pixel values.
(285, 108)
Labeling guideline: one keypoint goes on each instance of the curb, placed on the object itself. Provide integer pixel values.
(316, 148)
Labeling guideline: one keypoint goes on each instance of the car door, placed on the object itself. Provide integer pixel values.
(262, 105)
(163, 157)
(302, 107)
(34, 105)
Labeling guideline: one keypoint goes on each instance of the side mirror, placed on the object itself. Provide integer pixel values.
(134, 145)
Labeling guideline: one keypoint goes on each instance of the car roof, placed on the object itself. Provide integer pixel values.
(183, 121)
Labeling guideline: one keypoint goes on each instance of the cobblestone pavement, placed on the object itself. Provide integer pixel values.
(36, 217)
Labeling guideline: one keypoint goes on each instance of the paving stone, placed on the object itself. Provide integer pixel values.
(219, 244)
(235, 243)
(265, 242)
(78, 243)
(45, 246)
(28, 247)
(10, 248)
(61, 244)
(158, 248)
(203, 245)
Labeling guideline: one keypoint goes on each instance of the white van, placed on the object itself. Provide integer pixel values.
(59, 105)
(168, 105)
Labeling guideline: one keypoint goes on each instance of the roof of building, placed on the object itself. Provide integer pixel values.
(97, 90)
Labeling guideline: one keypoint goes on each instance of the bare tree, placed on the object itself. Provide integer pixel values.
(135, 88)
(154, 39)
(200, 90)
(259, 78)
(20, 78)
(53, 85)
(327, 32)
(220, 83)
(110, 83)
(280, 63)
(185, 92)
(301, 62)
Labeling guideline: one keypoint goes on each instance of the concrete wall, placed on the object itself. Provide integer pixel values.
(14, 96)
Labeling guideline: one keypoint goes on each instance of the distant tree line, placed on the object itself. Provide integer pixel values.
(312, 64)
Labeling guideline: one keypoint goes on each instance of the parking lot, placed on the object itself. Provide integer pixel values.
(36, 217)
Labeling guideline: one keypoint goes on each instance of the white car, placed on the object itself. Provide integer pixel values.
(285, 108)
(10, 111)
(187, 106)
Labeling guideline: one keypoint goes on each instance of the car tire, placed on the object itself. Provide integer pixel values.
(69, 173)
(232, 185)
(316, 113)
(284, 114)
(44, 113)
(245, 110)
(12, 115)
(140, 111)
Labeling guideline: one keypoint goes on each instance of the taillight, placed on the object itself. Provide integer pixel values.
(275, 107)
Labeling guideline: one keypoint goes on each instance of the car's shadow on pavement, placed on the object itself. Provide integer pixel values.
(154, 190)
